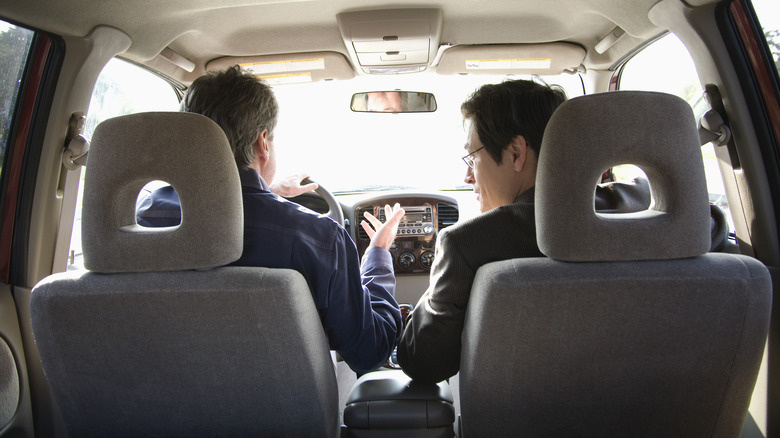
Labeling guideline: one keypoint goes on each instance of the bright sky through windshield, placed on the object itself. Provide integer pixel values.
(346, 151)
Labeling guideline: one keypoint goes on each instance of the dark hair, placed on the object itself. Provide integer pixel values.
(500, 112)
(240, 103)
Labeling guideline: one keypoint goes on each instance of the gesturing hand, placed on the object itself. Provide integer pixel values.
(382, 235)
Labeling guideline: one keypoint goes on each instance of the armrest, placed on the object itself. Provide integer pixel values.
(389, 399)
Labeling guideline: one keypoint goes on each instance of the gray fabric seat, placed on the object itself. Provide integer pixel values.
(157, 337)
(629, 328)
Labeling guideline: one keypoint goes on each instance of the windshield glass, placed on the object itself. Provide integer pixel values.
(350, 151)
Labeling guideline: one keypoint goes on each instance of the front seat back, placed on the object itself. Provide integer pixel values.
(156, 337)
(629, 328)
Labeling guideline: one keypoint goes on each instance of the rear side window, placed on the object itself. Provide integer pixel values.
(15, 43)
(122, 88)
(766, 11)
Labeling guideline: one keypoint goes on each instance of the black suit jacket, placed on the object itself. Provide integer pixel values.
(429, 349)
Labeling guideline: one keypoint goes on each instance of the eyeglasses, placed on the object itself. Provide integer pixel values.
(469, 159)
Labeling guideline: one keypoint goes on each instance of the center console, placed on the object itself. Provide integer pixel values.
(390, 404)
(414, 248)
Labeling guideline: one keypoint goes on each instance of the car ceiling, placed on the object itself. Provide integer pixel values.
(203, 30)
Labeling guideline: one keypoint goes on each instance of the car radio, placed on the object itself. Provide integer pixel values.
(418, 221)
(414, 248)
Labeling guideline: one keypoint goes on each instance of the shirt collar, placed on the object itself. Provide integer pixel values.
(525, 197)
(250, 178)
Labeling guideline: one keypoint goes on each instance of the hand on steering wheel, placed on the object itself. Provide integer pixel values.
(298, 184)
(334, 208)
(294, 185)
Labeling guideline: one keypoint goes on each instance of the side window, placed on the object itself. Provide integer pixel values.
(15, 43)
(766, 11)
(125, 88)
(666, 66)
(122, 88)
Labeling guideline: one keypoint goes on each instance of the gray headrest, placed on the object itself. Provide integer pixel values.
(590, 134)
(190, 152)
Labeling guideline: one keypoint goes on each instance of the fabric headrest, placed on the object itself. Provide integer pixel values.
(190, 152)
(590, 134)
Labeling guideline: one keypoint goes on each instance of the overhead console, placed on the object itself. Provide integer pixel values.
(414, 248)
(391, 41)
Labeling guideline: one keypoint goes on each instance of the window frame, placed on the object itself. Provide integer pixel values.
(25, 139)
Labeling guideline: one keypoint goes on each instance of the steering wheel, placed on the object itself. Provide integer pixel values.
(334, 208)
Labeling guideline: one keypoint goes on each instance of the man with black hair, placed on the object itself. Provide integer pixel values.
(504, 126)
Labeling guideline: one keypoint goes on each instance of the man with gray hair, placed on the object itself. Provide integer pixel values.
(355, 301)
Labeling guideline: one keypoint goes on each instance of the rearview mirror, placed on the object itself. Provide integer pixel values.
(393, 102)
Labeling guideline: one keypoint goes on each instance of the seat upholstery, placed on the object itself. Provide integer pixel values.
(157, 337)
(629, 328)
(9, 385)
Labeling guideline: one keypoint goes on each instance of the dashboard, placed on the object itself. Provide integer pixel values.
(415, 245)
(414, 248)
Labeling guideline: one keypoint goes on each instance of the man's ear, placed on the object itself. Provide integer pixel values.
(262, 148)
(520, 152)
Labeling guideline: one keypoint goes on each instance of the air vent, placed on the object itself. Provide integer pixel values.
(360, 231)
(448, 215)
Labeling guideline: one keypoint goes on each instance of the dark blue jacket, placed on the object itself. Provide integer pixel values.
(356, 302)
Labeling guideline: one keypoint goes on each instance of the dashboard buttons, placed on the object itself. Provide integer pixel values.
(419, 231)
(418, 220)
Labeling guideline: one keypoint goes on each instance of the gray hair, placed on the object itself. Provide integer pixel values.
(243, 105)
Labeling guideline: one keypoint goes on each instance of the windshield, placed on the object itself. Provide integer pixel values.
(350, 151)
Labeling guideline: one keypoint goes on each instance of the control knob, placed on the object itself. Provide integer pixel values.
(406, 260)
(426, 259)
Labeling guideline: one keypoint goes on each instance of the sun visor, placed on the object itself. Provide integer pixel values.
(291, 68)
(391, 41)
(519, 59)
